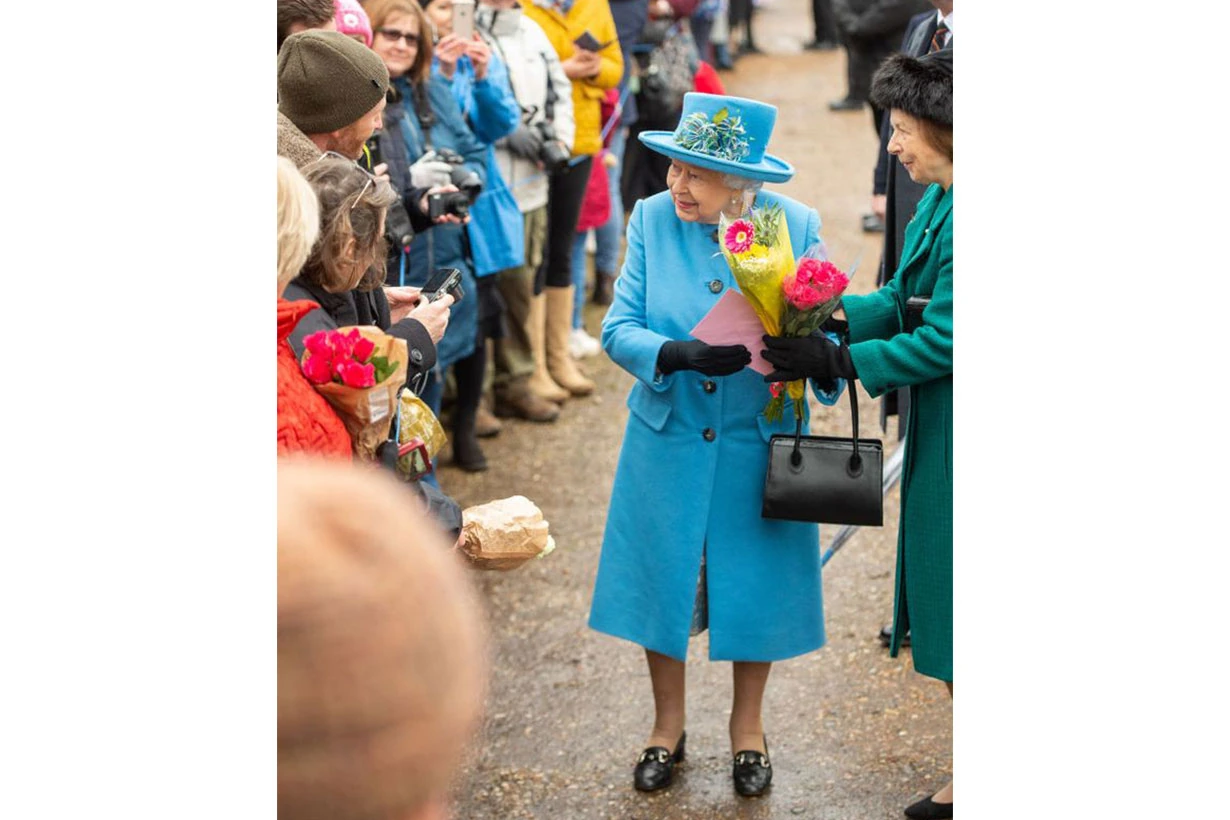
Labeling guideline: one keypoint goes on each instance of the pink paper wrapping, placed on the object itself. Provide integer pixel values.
(733, 322)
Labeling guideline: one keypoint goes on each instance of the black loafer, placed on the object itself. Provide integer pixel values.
(752, 772)
(886, 637)
(656, 766)
(928, 809)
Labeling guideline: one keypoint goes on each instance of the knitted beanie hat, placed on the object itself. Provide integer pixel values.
(326, 80)
(352, 19)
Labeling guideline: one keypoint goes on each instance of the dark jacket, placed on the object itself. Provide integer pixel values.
(362, 308)
(877, 20)
(630, 17)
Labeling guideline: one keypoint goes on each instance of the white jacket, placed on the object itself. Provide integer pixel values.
(530, 58)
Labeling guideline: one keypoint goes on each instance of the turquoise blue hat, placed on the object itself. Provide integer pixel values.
(726, 134)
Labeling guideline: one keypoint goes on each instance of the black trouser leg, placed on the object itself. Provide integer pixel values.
(566, 192)
(824, 20)
(468, 373)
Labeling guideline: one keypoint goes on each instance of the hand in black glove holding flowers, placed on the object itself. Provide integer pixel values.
(722, 360)
(809, 357)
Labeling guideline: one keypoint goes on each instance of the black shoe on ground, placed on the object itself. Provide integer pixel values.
(656, 766)
(467, 454)
(821, 45)
(846, 104)
(749, 48)
(872, 224)
(928, 809)
(752, 771)
(886, 637)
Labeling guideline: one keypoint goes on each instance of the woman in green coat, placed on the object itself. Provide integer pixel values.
(901, 336)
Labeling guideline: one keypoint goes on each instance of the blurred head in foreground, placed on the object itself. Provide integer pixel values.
(381, 667)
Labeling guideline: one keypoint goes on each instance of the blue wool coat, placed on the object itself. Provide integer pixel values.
(443, 246)
(677, 493)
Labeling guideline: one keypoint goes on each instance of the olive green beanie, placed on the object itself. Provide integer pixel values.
(326, 80)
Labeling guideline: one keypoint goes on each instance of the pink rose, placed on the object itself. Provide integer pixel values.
(808, 268)
(800, 294)
(357, 375)
(318, 344)
(363, 348)
(316, 368)
(829, 281)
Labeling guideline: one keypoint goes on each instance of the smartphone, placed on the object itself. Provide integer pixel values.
(463, 19)
(444, 280)
(589, 42)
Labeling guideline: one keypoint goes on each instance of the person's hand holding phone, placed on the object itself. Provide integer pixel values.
(582, 65)
(402, 301)
(448, 51)
(480, 55)
(434, 316)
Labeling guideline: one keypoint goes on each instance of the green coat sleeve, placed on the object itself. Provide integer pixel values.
(912, 358)
(873, 316)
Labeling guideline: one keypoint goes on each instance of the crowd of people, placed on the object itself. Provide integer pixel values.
(496, 141)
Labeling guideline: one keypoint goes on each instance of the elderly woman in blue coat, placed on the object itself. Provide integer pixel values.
(685, 547)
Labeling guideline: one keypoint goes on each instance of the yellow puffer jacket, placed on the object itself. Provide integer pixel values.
(593, 16)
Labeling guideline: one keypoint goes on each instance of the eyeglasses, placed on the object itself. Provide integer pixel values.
(371, 178)
(393, 35)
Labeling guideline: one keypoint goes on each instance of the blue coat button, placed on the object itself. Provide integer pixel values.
(708, 434)
(715, 286)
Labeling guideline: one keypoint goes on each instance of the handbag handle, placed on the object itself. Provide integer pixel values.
(856, 461)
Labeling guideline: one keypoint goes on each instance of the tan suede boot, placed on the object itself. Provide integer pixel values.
(560, 363)
(541, 382)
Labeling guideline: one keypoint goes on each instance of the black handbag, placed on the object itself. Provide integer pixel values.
(825, 479)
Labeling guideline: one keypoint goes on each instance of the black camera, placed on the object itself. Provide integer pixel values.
(444, 280)
(397, 228)
(456, 203)
(467, 181)
(553, 155)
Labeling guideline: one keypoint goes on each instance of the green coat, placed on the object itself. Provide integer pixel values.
(886, 358)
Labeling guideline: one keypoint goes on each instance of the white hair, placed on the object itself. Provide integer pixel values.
(741, 183)
(298, 221)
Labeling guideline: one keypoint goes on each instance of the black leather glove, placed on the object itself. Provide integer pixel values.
(525, 142)
(722, 360)
(835, 325)
(811, 357)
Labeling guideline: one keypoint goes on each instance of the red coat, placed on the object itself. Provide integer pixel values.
(707, 80)
(306, 422)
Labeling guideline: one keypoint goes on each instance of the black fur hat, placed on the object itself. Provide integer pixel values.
(919, 86)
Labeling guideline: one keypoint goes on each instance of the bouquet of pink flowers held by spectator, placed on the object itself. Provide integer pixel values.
(811, 293)
(359, 371)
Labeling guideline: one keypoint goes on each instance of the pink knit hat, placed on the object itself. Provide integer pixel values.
(352, 19)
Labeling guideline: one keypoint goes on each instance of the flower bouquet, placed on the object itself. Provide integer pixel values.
(791, 299)
(811, 295)
(359, 371)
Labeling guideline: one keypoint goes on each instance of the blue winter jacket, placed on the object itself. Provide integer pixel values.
(496, 230)
(443, 246)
